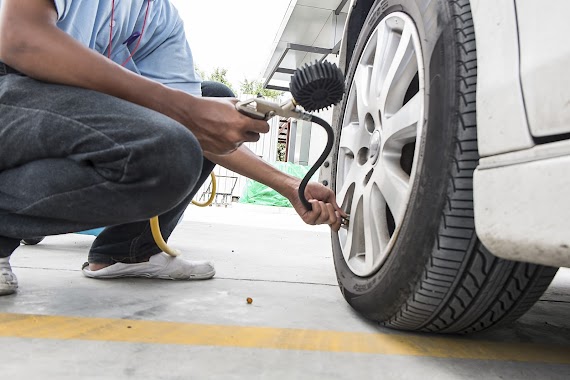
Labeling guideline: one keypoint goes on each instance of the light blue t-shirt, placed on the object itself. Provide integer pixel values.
(163, 53)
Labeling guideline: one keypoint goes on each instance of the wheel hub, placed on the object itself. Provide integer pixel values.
(384, 112)
(375, 142)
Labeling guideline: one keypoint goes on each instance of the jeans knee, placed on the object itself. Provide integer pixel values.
(213, 89)
(173, 165)
(182, 159)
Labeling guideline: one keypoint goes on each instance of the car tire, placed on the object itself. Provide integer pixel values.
(434, 274)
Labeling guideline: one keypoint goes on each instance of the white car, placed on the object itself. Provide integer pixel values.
(452, 157)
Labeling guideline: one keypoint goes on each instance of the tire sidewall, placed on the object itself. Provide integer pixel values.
(380, 295)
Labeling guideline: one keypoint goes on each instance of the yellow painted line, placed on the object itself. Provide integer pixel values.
(192, 334)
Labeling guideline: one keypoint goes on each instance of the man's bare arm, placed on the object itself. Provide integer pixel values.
(324, 206)
(31, 43)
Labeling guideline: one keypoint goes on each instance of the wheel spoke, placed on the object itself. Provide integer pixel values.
(386, 46)
(353, 176)
(394, 185)
(362, 80)
(347, 239)
(374, 224)
(353, 242)
(401, 128)
(399, 75)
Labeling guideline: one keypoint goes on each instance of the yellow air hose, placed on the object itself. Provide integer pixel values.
(212, 194)
(155, 226)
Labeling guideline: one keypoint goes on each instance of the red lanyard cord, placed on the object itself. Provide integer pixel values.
(139, 38)
(111, 30)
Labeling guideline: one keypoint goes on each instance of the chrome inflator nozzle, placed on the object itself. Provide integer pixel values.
(313, 87)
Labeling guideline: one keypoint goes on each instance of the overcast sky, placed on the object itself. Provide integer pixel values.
(232, 34)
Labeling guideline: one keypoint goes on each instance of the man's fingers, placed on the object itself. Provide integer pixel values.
(252, 137)
(331, 199)
(336, 225)
(314, 214)
(259, 126)
(337, 207)
(332, 213)
(324, 216)
(264, 126)
(322, 213)
(340, 210)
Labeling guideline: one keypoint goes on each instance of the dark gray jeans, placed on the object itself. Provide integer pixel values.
(73, 159)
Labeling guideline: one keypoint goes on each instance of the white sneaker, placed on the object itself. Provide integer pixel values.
(8, 280)
(161, 266)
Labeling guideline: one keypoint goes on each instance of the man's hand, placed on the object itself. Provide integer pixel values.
(325, 209)
(217, 125)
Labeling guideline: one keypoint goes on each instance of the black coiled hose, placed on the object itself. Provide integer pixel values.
(316, 87)
(320, 161)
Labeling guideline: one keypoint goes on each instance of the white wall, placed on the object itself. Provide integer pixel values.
(319, 136)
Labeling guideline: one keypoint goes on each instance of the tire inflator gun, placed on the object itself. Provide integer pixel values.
(313, 88)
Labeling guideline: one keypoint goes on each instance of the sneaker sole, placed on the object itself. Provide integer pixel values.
(205, 276)
(7, 291)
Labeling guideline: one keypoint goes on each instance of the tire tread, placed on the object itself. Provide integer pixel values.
(464, 288)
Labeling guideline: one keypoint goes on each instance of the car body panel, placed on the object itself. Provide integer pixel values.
(522, 204)
(520, 188)
(501, 121)
(545, 60)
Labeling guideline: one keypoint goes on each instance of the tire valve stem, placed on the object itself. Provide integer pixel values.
(345, 221)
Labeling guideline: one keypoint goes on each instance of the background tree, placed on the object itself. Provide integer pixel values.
(255, 87)
(250, 87)
(220, 75)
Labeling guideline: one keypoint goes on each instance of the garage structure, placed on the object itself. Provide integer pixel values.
(311, 31)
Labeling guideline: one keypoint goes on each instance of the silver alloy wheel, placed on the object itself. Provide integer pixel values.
(379, 142)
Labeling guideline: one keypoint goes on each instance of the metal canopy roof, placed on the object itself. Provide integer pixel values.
(310, 30)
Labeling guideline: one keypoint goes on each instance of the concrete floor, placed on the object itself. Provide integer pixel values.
(61, 325)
